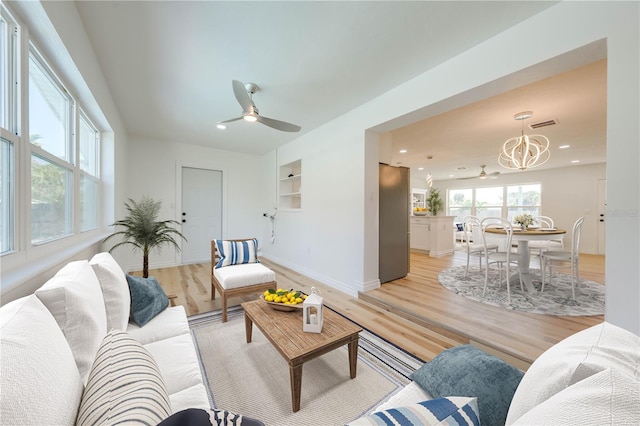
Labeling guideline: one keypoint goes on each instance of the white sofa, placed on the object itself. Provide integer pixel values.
(50, 340)
(591, 377)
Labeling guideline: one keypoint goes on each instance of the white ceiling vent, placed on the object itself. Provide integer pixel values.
(545, 123)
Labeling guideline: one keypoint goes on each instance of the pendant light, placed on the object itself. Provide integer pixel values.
(525, 151)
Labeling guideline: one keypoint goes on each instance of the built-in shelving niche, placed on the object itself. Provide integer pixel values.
(290, 188)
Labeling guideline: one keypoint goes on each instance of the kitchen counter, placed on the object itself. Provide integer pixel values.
(431, 234)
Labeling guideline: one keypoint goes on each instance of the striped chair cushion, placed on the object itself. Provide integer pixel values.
(236, 252)
(124, 386)
(452, 411)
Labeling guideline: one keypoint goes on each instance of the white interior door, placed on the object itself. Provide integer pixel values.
(201, 212)
(602, 217)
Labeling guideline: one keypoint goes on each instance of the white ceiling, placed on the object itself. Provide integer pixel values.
(169, 66)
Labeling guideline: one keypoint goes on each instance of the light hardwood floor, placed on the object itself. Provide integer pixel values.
(415, 313)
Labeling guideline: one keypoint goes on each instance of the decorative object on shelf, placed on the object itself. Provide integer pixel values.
(312, 312)
(434, 202)
(144, 231)
(524, 220)
(524, 151)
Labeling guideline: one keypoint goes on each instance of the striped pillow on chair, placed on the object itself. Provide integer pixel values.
(237, 252)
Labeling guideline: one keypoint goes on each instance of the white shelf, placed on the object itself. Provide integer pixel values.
(290, 186)
(286, 178)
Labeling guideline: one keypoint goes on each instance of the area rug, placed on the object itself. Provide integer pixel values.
(253, 379)
(556, 299)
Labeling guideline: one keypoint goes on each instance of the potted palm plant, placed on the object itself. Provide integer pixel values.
(434, 202)
(142, 229)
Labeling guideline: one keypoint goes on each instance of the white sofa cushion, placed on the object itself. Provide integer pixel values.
(74, 298)
(193, 397)
(168, 323)
(238, 276)
(115, 290)
(178, 362)
(598, 348)
(41, 384)
(125, 385)
(610, 397)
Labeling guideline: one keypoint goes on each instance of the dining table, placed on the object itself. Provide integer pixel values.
(523, 237)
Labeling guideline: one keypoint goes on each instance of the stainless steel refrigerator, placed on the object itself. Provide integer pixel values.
(394, 223)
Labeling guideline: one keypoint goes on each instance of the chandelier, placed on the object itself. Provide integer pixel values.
(524, 151)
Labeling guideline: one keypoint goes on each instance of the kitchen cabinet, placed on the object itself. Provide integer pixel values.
(432, 234)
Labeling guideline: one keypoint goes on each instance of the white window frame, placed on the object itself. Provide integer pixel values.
(504, 208)
(10, 36)
(71, 141)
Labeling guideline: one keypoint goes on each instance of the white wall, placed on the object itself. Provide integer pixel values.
(327, 239)
(154, 170)
(567, 194)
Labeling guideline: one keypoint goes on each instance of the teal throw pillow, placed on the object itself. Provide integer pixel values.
(147, 299)
(467, 371)
(452, 411)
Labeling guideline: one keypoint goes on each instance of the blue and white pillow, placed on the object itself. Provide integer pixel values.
(455, 410)
(237, 252)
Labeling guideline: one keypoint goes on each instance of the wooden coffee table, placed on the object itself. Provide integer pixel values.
(284, 331)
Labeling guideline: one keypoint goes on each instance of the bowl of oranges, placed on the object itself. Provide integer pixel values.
(283, 300)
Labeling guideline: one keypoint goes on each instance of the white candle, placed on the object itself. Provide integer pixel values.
(313, 319)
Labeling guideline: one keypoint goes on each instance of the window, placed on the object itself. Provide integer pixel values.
(523, 199)
(50, 200)
(6, 196)
(495, 201)
(9, 88)
(50, 122)
(50, 110)
(460, 202)
(489, 202)
(88, 142)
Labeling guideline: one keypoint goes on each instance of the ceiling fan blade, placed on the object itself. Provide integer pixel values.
(470, 177)
(242, 96)
(230, 120)
(493, 175)
(277, 124)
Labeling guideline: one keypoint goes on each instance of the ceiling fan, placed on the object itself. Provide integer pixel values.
(244, 95)
(482, 175)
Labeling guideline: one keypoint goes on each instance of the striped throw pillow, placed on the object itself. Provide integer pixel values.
(452, 411)
(125, 385)
(236, 252)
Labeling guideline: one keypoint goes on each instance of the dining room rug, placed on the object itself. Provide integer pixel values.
(555, 300)
(253, 379)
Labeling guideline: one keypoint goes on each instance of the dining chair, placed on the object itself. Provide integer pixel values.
(572, 257)
(503, 259)
(538, 246)
(473, 241)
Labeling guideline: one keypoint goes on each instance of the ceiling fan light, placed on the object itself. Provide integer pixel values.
(250, 118)
(221, 126)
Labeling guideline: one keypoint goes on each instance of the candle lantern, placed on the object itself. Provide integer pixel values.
(312, 312)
